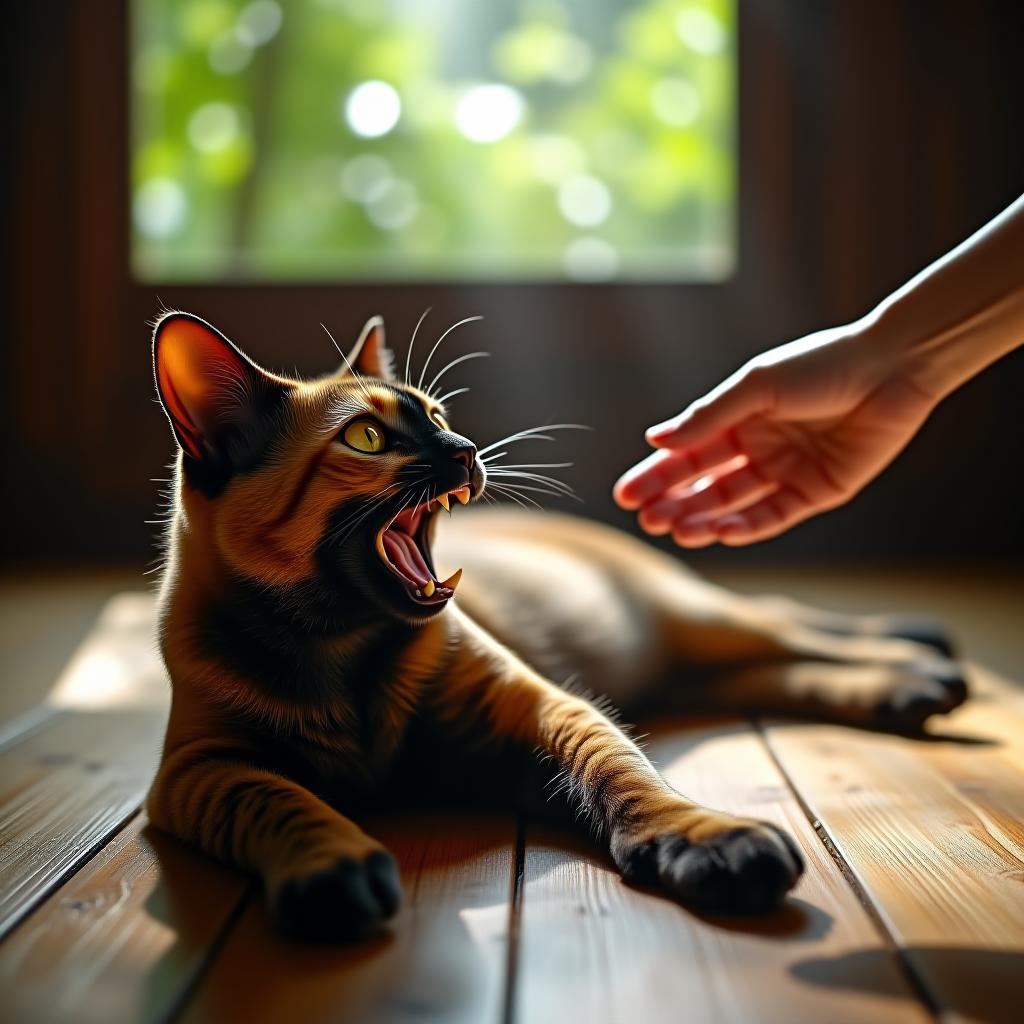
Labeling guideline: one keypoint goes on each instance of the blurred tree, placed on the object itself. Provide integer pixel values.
(443, 139)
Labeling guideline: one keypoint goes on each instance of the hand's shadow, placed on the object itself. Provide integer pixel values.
(969, 984)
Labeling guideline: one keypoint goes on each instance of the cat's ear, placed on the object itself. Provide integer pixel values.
(217, 399)
(371, 356)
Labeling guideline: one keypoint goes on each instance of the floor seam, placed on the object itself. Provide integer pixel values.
(192, 983)
(917, 984)
(508, 1003)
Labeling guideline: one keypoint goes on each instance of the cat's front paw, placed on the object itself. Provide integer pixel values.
(349, 900)
(746, 869)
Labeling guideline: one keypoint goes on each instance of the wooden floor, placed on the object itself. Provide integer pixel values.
(912, 907)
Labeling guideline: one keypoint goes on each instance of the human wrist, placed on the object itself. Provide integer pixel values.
(938, 338)
(882, 349)
(902, 343)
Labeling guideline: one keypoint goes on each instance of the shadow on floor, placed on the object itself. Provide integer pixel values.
(973, 984)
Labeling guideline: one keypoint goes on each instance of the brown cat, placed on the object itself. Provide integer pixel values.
(320, 665)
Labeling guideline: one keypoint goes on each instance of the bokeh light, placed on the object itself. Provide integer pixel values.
(701, 30)
(160, 207)
(372, 109)
(363, 174)
(675, 101)
(258, 22)
(591, 259)
(584, 200)
(212, 127)
(486, 113)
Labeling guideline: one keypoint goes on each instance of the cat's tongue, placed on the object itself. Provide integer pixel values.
(405, 556)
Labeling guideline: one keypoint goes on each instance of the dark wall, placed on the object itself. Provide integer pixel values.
(873, 137)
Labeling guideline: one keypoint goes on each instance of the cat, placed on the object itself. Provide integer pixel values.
(320, 665)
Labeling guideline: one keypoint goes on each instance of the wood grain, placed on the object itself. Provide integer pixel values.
(933, 832)
(592, 948)
(124, 939)
(65, 789)
(442, 959)
(127, 925)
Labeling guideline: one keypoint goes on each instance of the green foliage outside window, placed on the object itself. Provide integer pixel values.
(433, 139)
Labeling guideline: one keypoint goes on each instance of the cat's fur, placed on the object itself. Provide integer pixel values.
(310, 681)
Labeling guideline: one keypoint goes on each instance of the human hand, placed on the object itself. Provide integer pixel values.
(797, 430)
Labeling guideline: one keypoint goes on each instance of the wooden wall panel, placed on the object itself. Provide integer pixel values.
(873, 136)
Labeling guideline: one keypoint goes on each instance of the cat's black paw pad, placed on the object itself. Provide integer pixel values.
(348, 901)
(745, 870)
(931, 689)
(922, 630)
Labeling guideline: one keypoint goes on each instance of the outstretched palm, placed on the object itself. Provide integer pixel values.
(797, 432)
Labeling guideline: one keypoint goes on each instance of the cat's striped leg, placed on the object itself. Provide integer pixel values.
(325, 878)
(656, 836)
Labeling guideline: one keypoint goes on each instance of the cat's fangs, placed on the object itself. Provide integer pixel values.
(399, 547)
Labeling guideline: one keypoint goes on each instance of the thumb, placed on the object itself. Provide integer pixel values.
(740, 396)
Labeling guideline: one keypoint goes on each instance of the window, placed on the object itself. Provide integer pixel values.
(441, 140)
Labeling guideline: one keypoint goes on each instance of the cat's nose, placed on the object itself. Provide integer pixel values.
(466, 455)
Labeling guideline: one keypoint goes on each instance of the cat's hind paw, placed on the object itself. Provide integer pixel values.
(934, 688)
(922, 630)
(350, 900)
(748, 869)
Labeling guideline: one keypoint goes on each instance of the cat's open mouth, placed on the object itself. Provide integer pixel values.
(403, 548)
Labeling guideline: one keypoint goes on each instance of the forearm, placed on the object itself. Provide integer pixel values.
(961, 313)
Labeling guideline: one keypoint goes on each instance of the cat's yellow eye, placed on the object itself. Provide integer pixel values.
(440, 420)
(365, 436)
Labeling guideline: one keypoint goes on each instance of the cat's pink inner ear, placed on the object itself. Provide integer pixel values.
(199, 375)
(371, 357)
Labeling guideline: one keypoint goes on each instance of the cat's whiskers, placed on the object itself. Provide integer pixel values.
(559, 486)
(505, 478)
(519, 488)
(532, 433)
(519, 499)
(352, 521)
(357, 377)
(455, 362)
(430, 355)
(371, 503)
(339, 538)
(527, 465)
(501, 470)
(450, 395)
(412, 343)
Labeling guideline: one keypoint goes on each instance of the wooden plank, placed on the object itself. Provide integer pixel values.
(594, 949)
(118, 664)
(16, 729)
(44, 616)
(933, 832)
(64, 790)
(124, 939)
(443, 958)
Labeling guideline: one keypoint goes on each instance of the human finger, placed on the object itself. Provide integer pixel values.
(765, 519)
(654, 475)
(742, 395)
(713, 498)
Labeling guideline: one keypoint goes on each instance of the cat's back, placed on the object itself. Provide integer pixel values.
(567, 594)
